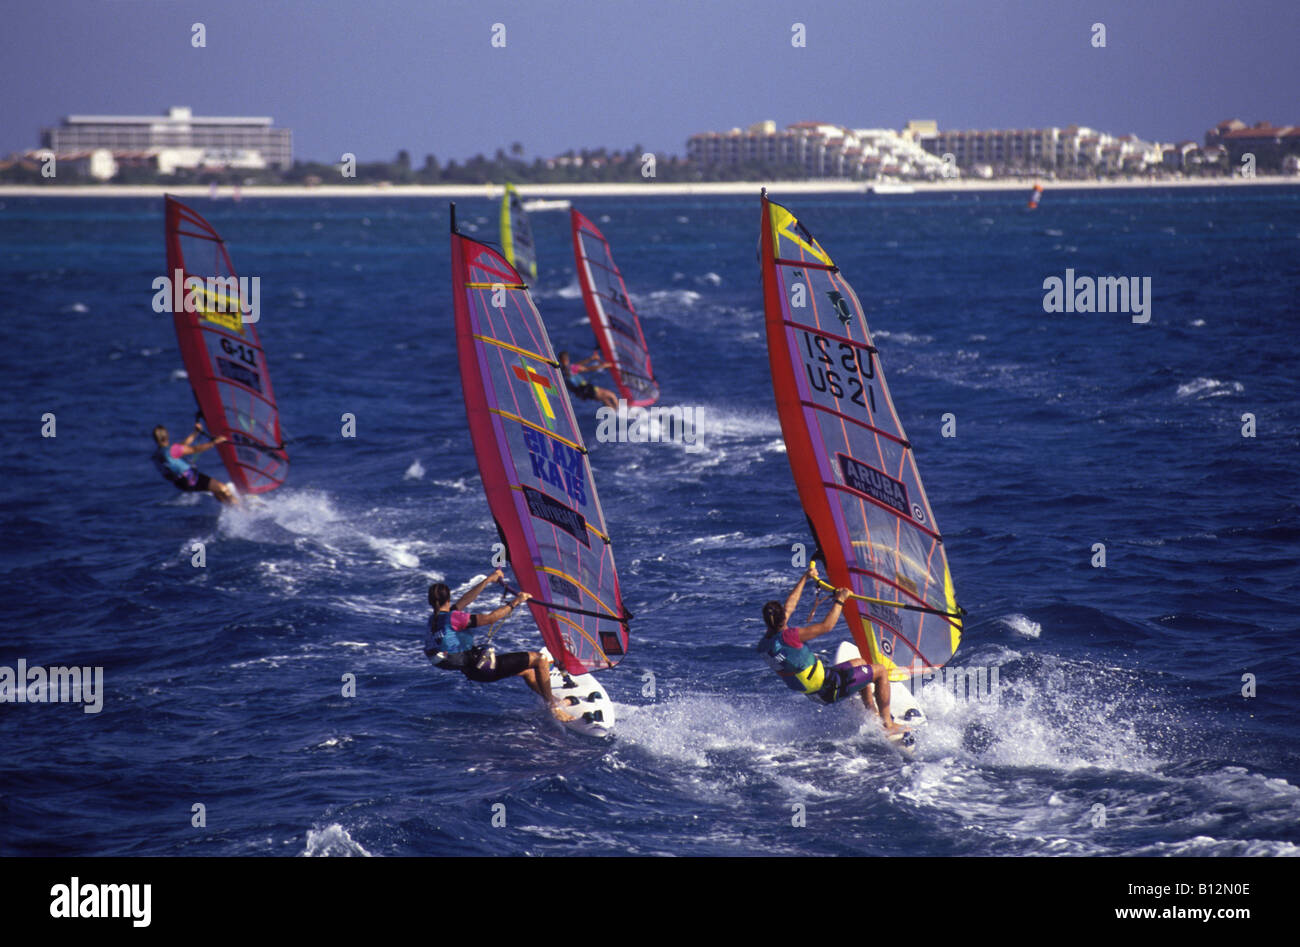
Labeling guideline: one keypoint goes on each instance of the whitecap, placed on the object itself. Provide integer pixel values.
(332, 841)
(1023, 625)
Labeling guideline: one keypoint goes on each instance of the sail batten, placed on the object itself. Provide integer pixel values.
(853, 464)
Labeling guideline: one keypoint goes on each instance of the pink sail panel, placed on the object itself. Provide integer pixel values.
(223, 355)
(613, 320)
(533, 462)
(852, 462)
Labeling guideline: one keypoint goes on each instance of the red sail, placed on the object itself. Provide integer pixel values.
(533, 462)
(222, 353)
(613, 319)
(852, 462)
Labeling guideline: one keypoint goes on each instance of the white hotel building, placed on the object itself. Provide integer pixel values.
(821, 150)
(178, 139)
(831, 151)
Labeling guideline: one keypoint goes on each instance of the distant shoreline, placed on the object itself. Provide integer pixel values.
(622, 189)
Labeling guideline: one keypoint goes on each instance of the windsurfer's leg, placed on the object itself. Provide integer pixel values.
(607, 398)
(225, 492)
(538, 677)
(880, 675)
(878, 684)
(868, 700)
(530, 678)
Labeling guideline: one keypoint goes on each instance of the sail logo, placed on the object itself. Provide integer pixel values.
(883, 614)
(227, 301)
(558, 464)
(1099, 294)
(540, 385)
(870, 482)
(237, 372)
(557, 514)
(841, 306)
(563, 588)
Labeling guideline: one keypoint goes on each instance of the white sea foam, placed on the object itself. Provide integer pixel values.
(1023, 626)
(320, 534)
(415, 471)
(1202, 388)
(1020, 771)
(672, 297)
(333, 841)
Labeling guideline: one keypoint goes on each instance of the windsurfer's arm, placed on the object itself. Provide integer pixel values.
(186, 449)
(829, 622)
(792, 600)
(501, 611)
(477, 590)
(593, 363)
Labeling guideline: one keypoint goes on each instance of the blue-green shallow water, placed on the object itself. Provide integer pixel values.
(1120, 686)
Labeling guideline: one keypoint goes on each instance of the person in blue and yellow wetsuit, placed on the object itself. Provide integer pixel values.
(786, 651)
(449, 643)
(170, 460)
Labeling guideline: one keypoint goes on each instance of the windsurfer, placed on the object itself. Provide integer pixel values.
(450, 645)
(786, 650)
(171, 463)
(585, 389)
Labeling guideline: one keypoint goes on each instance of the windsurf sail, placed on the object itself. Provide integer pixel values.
(516, 235)
(1034, 195)
(222, 353)
(533, 462)
(853, 464)
(613, 319)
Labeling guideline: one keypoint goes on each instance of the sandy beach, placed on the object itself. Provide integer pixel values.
(648, 189)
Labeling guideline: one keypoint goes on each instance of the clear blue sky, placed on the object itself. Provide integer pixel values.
(373, 76)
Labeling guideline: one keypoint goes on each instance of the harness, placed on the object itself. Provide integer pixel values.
(482, 657)
(437, 653)
(165, 466)
(799, 668)
(581, 388)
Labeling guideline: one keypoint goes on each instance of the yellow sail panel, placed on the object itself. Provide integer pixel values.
(516, 234)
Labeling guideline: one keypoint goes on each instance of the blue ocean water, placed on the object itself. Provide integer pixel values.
(1121, 687)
